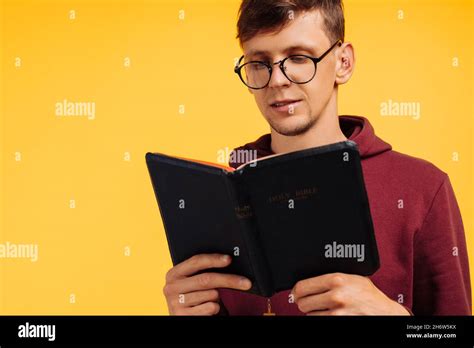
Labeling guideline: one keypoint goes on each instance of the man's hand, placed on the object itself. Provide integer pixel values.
(343, 294)
(189, 294)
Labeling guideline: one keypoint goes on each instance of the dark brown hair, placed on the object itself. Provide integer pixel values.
(263, 16)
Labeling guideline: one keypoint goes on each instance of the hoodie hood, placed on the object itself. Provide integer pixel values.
(355, 128)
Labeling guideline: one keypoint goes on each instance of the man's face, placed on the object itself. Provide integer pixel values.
(304, 33)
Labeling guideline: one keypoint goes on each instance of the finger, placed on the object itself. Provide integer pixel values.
(320, 302)
(319, 313)
(317, 285)
(206, 281)
(197, 297)
(198, 263)
(208, 308)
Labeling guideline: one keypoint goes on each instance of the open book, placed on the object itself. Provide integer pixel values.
(282, 218)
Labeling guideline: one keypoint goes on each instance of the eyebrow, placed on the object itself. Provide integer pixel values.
(287, 50)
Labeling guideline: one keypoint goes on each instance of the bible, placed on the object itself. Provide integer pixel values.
(282, 218)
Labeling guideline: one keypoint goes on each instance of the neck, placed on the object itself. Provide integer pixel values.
(325, 131)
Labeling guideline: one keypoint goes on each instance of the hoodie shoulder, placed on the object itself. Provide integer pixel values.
(416, 166)
(405, 176)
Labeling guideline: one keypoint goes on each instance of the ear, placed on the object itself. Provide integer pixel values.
(345, 63)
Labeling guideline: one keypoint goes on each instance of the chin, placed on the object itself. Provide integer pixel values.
(291, 126)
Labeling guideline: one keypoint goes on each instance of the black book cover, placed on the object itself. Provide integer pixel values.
(282, 218)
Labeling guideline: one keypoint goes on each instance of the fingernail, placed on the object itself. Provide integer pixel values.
(225, 258)
(245, 283)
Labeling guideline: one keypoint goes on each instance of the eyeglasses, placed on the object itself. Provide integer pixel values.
(298, 68)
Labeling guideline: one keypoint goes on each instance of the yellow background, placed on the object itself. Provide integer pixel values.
(173, 62)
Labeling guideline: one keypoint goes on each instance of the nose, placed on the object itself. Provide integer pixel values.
(278, 79)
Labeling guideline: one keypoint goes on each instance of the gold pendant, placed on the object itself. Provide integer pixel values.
(269, 308)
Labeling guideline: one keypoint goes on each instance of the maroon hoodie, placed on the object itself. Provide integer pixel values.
(418, 228)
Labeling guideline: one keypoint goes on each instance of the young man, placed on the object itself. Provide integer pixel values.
(294, 60)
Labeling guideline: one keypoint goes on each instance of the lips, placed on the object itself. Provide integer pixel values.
(285, 106)
(284, 102)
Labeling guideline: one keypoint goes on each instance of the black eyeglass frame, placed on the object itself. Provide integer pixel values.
(281, 64)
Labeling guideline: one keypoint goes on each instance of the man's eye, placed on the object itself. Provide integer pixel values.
(299, 59)
(258, 66)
